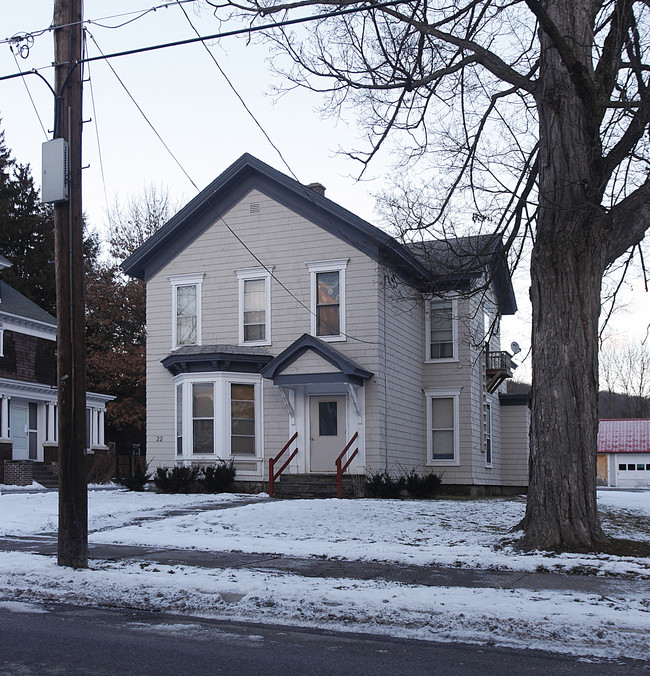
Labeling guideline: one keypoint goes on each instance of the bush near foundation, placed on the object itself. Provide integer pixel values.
(381, 484)
(215, 478)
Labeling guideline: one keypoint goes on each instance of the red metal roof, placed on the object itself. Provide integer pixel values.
(631, 435)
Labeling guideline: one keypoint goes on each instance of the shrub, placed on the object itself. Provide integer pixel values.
(178, 479)
(422, 486)
(383, 485)
(137, 481)
(218, 478)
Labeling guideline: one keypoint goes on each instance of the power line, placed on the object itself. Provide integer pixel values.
(147, 120)
(226, 34)
(30, 98)
(99, 146)
(279, 152)
(237, 94)
(30, 35)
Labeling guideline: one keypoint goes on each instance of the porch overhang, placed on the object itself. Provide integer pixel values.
(213, 358)
(345, 370)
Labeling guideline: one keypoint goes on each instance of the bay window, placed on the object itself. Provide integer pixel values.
(218, 415)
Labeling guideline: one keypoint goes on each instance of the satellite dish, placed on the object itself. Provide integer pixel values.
(515, 348)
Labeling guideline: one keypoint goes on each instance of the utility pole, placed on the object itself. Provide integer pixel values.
(68, 253)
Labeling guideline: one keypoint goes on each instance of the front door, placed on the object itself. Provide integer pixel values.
(19, 432)
(327, 426)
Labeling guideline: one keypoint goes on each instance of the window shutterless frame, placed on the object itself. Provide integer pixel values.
(327, 293)
(442, 421)
(441, 330)
(254, 314)
(186, 309)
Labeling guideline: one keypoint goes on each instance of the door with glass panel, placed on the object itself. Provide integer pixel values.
(327, 423)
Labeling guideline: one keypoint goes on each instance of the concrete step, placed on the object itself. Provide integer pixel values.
(317, 486)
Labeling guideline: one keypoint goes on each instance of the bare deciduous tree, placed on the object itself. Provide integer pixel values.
(534, 116)
(625, 368)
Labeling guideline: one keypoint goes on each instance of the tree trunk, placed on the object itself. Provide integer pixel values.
(567, 267)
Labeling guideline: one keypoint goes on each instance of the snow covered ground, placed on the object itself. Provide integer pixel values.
(458, 533)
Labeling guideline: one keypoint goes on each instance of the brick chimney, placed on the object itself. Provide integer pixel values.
(318, 188)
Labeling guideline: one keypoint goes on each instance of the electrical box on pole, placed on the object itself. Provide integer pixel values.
(55, 183)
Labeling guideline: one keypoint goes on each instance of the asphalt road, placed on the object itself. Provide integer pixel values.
(70, 640)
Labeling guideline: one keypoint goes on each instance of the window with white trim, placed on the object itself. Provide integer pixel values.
(202, 417)
(2, 342)
(441, 330)
(442, 426)
(219, 415)
(327, 284)
(186, 309)
(179, 419)
(254, 306)
(242, 419)
(487, 433)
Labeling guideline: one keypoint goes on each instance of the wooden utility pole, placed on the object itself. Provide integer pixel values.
(68, 249)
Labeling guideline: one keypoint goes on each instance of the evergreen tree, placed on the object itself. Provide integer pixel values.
(26, 233)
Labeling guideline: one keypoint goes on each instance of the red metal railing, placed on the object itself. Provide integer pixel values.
(340, 470)
(274, 475)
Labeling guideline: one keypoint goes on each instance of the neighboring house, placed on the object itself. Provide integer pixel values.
(273, 312)
(28, 395)
(624, 452)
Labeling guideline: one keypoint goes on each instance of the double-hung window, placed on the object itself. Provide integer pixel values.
(186, 309)
(327, 282)
(441, 330)
(203, 417)
(442, 426)
(254, 306)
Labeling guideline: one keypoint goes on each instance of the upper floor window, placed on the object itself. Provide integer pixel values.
(328, 298)
(186, 309)
(254, 306)
(442, 330)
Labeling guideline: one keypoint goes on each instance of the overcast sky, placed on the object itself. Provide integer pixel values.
(191, 106)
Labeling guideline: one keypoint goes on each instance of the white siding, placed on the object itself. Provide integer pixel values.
(402, 440)
(279, 238)
(515, 422)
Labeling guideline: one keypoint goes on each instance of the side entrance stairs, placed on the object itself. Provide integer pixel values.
(318, 486)
(44, 475)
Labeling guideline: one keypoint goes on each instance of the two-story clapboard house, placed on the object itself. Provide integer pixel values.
(275, 314)
(28, 393)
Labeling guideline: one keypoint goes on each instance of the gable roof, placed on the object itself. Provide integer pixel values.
(457, 259)
(347, 369)
(13, 302)
(631, 435)
(249, 173)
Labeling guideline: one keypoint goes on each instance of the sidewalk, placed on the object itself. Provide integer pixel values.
(428, 576)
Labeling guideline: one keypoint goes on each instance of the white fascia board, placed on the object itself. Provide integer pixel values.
(26, 326)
